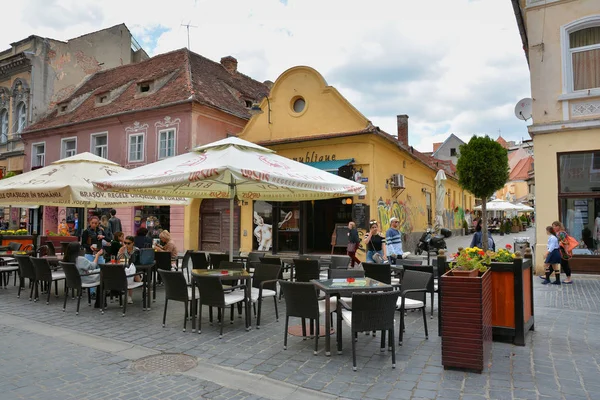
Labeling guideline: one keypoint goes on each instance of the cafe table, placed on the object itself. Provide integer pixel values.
(344, 288)
(227, 275)
(146, 271)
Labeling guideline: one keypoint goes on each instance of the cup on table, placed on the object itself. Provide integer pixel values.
(350, 279)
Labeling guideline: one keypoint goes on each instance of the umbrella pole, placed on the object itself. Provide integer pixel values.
(231, 217)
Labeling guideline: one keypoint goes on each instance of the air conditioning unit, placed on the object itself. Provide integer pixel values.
(398, 181)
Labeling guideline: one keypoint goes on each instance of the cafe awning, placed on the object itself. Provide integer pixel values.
(330, 166)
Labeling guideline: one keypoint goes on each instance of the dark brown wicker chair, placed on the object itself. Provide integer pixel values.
(8, 266)
(379, 272)
(264, 284)
(28, 248)
(199, 260)
(270, 260)
(176, 289)
(345, 273)
(301, 301)
(113, 278)
(14, 246)
(432, 288)
(338, 262)
(43, 273)
(413, 297)
(51, 248)
(215, 259)
(213, 294)
(73, 281)
(186, 264)
(409, 262)
(42, 251)
(369, 312)
(306, 270)
(26, 271)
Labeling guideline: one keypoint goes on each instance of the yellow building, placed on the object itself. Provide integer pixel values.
(306, 120)
(562, 41)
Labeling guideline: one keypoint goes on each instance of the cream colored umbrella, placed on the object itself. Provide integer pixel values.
(233, 167)
(440, 199)
(68, 183)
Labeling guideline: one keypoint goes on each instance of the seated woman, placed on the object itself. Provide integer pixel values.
(142, 241)
(83, 265)
(131, 253)
(168, 246)
(116, 243)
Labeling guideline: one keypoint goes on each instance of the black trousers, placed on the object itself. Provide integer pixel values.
(564, 266)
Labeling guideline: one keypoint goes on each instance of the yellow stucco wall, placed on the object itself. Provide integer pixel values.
(517, 189)
(327, 112)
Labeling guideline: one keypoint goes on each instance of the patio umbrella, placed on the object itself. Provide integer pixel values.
(68, 182)
(440, 198)
(233, 167)
(499, 205)
(524, 208)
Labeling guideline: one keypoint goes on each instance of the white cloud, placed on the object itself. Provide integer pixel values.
(451, 65)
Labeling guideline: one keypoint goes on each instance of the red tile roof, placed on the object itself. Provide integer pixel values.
(179, 76)
(520, 172)
(502, 142)
(436, 146)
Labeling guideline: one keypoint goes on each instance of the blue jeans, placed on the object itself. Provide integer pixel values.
(370, 255)
(91, 257)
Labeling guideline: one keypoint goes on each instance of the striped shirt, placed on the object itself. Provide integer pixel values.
(393, 238)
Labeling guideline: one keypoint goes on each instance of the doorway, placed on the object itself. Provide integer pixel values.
(214, 226)
(322, 217)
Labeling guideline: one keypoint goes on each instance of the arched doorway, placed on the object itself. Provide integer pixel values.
(214, 225)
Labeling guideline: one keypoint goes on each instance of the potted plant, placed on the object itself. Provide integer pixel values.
(465, 227)
(470, 262)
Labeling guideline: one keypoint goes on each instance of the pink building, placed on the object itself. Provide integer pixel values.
(140, 113)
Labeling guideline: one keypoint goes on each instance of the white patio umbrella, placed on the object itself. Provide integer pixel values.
(440, 198)
(68, 182)
(524, 207)
(233, 167)
(499, 205)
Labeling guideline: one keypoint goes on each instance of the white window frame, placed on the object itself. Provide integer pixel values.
(568, 93)
(4, 134)
(93, 145)
(143, 135)
(21, 127)
(34, 154)
(160, 132)
(63, 150)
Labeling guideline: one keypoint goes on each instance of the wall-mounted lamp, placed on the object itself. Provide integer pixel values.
(255, 109)
(424, 190)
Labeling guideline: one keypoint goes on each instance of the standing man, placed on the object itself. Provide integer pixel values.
(114, 223)
(91, 241)
(393, 239)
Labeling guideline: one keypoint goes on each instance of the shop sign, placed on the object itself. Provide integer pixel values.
(315, 157)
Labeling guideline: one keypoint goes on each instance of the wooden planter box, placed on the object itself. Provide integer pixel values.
(585, 264)
(56, 241)
(23, 239)
(466, 311)
(512, 300)
(515, 229)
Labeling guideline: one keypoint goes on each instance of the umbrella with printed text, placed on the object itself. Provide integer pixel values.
(231, 168)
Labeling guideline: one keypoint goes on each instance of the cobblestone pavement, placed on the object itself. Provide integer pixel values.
(560, 361)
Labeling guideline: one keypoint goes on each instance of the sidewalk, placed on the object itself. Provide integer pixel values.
(48, 354)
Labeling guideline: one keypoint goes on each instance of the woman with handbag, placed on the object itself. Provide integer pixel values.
(376, 252)
(353, 243)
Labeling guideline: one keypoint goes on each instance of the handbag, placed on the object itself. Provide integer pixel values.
(378, 258)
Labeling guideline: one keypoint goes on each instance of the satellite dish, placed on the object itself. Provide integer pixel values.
(523, 109)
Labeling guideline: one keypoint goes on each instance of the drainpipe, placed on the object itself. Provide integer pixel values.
(31, 54)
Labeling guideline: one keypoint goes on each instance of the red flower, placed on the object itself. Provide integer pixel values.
(508, 246)
(481, 252)
(47, 231)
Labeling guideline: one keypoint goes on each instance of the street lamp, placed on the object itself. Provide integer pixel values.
(255, 109)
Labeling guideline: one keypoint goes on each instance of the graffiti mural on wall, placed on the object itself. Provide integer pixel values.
(453, 218)
(404, 211)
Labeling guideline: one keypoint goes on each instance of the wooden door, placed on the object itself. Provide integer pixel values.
(210, 230)
(214, 225)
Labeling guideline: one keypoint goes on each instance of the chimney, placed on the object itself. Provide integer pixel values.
(268, 84)
(403, 129)
(230, 64)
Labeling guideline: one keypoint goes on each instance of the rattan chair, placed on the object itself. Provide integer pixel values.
(369, 312)
(43, 273)
(432, 288)
(301, 301)
(51, 248)
(213, 294)
(176, 289)
(73, 281)
(306, 270)
(264, 284)
(345, 273)
(410, 262)
(14, 246)
(42, 251)
(199, 260)
(8, 266)
(186, 265)
(26, 271)
(255, 256)
(215, 259)
(379, 272)
(270, 260)
(413, 297)
(27, 248)
(113, 278)
(339, 262)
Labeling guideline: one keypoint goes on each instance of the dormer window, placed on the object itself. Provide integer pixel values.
(63, 107)
(103, 98)
(145, 87)
(248, 103)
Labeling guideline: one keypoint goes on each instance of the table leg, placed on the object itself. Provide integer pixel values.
(144, 290)
(248, 302)
(327, 325)
(193, 305)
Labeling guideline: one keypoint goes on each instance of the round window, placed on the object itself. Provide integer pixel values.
(299, 105)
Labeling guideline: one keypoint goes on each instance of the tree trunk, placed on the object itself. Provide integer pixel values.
(484, 225)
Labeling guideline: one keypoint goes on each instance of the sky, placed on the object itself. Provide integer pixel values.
(453, 66)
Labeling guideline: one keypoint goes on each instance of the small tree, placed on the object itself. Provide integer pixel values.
(482, 169)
